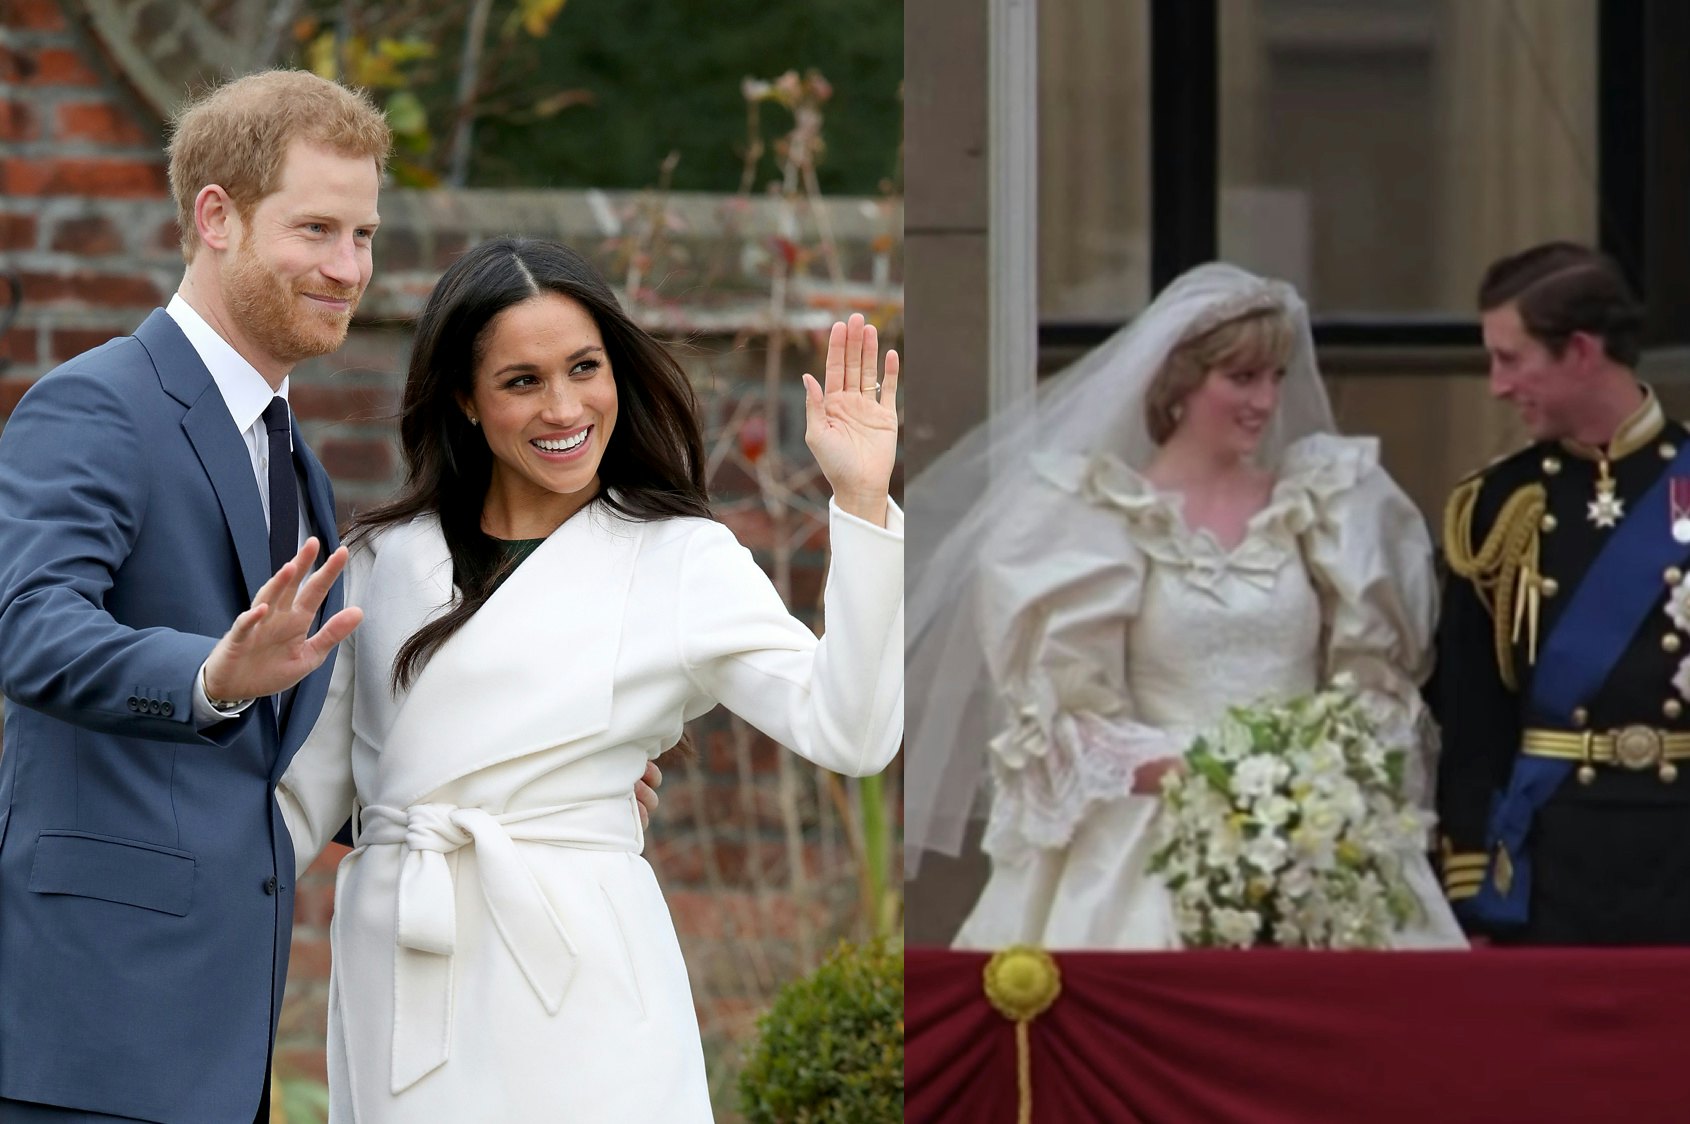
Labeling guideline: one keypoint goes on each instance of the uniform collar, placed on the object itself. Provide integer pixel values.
(1642, 427)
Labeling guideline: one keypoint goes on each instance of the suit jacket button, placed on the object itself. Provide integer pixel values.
(166, 708)
(154, 706)
(134, 703)
(270, 885)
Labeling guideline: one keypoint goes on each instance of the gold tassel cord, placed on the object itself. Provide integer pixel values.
(1021, 982)
(1504, 570)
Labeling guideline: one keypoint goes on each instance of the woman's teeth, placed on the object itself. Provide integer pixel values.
(564, 445)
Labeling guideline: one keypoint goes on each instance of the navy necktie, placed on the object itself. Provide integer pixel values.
(284, 492)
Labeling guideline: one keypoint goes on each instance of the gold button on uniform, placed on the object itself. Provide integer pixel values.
(1552, 465)
(1667, 450)
(1670, 642)
(1673, 575)
(1549, 586)
(1548, 522)
(1580, 716)
(1672, 708)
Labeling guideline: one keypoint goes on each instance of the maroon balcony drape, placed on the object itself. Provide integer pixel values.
(1497, 1036)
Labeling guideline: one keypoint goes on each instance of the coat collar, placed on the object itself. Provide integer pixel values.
(538, 659)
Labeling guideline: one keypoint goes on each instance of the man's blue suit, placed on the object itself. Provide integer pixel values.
(146, 875)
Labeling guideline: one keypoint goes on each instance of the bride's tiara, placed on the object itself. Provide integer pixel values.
(1265, 297)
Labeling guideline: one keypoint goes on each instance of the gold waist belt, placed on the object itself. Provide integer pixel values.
(1632, 747)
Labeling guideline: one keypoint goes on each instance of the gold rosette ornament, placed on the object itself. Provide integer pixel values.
(1022, 982)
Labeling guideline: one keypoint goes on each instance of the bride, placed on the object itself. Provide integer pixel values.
(1178, 530)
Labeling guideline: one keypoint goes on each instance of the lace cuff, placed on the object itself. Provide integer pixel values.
(1046, 782)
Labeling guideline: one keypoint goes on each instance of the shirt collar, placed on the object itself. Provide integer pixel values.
(244, 390)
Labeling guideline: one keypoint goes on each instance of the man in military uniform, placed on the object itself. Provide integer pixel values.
(1565, 667)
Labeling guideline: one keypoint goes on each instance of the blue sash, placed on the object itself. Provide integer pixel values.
(1597, 627)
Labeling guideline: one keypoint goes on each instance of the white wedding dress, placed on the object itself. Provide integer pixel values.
(1136, 633)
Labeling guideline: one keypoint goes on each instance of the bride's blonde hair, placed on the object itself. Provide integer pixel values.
(1257, 336)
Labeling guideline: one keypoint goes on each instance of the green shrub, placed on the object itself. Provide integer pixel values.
(831, 1048)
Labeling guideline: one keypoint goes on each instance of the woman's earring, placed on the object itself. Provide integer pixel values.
(474, 420)
(1177, 412)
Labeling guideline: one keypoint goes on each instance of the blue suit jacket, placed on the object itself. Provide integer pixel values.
(146, 875)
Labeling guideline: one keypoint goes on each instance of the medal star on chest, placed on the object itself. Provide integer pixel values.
(1607, 509)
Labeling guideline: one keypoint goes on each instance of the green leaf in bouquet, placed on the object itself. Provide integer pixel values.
(1206, 765)
(1396, 765)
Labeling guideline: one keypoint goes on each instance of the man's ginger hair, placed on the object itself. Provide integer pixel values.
(237, 135)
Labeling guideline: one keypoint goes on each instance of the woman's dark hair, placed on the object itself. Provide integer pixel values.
(1560, 288)
(653, 466)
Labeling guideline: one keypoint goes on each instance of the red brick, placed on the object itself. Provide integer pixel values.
(325, 863)
(722, 756)
(169, 237)
(357, 458)
(303, 1062)
(751, 526)
(17, 232)
(305, 1016)
(313, 902)
(98, 121)
(34, 15)
(95, 176)
(17, 122)
(18, 346)
(734, 1018)
(737, 912)
(344, 403)
(88, 236)
(54, 66)
(309, 959)
(68, 343)
(11, 390)
(108, 290)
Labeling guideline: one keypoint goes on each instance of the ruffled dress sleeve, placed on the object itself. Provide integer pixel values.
(1370, 556)
(1055, 600)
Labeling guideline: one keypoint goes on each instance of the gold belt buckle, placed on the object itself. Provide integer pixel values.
(1639, 747)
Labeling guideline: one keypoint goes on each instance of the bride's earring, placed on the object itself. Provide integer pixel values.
(1177, 412)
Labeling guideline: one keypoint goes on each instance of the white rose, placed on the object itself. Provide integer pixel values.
(1274, 810)
(1237, 927)
(1266, 852)
(1259, 775)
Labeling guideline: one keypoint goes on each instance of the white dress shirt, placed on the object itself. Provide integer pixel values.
(246, 393)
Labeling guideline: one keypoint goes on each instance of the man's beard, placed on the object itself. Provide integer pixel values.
(269, 311)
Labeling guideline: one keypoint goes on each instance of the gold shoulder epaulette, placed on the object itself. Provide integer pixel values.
(1495, 568)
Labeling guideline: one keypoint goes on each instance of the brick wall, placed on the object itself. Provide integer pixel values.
(87, 231)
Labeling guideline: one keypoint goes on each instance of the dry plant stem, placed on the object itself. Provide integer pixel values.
(779, 517)
(755, 974)
(824, 227)
(748, 814)
(469, 77)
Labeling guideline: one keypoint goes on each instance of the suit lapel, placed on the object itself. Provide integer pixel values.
(319, 500)
(216, 441)
(308, 696)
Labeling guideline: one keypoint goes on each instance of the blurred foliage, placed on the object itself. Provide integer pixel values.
(597, 93)
(664, 77)
(831, 1048)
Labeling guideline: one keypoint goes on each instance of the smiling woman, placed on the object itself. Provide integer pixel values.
(545, 396)
(509, 696)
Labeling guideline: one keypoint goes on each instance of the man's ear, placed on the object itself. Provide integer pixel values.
(215, 217)
(1584, 348)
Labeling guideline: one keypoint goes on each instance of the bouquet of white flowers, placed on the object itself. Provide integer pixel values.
(1289, 828)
